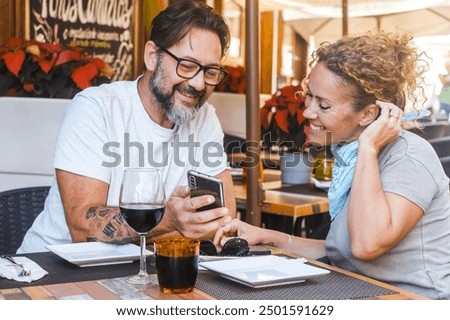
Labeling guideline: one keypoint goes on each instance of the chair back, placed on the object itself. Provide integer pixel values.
(233, 144)
(432, 130)
(18, 209)
(446, 164)
(441, 146)
(26, 157)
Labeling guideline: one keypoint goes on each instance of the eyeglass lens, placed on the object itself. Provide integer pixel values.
(189, 69)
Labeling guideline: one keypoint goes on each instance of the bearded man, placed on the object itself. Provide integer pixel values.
(159, 120)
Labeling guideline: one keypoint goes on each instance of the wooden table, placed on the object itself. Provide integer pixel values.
(282, 203)
(280, 210)
(105, 290)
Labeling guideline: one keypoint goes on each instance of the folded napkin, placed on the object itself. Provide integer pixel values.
(11, 271)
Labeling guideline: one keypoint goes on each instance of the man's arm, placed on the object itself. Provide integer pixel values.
(89, 219)
(87, 216)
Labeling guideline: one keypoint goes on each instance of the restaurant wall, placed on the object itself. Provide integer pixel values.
(28, 131)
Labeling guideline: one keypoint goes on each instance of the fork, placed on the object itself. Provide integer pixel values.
(23, 272)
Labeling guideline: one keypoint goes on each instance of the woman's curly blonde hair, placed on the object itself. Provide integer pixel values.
(379, 66)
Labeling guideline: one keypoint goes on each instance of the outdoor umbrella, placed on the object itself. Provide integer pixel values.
(421, 22)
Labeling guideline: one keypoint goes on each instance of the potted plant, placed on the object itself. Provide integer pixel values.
(42, 69)
(282, 121)
(283, 125)
(234, 82)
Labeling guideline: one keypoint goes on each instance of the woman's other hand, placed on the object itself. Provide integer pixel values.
(237, 228)
(385, 128)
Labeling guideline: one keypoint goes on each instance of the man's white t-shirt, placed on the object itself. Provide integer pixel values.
(106, 129)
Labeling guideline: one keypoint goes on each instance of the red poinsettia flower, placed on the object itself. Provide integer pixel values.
(61, 72)
(14, 61)
(235, 82)
(282, 116)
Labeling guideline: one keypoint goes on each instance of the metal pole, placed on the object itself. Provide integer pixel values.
(253, 215)
(344, 17)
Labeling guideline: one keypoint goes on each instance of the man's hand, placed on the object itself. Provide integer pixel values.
(181, 215)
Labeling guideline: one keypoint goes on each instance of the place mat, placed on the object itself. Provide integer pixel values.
(307, 188)
(333, 286)
(62, 271)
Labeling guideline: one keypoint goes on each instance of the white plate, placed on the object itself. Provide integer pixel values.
(264, 271)
(88, 254)
(321, 184)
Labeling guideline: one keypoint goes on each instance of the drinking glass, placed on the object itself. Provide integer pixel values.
(142, 204)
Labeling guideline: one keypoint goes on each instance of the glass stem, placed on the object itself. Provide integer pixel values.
(143, 260)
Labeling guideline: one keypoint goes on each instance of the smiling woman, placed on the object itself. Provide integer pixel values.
(383, 225)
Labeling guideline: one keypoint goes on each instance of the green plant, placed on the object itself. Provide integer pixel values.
(42, 69)
(282, 119)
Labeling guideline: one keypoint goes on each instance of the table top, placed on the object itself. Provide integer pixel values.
(117, 288)
(281, 202)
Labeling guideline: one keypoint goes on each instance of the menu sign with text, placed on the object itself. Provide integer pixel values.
(103, 28)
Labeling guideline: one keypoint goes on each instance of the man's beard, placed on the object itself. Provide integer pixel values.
(175, 113)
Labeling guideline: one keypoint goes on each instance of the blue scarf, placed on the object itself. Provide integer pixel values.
(344, 166)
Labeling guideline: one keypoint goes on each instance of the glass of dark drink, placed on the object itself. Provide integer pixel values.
(177, 264)
(142, 204)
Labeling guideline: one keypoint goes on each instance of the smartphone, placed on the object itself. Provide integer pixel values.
(201, 184)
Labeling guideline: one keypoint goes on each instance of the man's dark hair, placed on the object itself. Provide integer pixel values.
(172, 24)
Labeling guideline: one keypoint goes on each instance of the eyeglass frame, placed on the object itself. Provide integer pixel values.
(201, 67)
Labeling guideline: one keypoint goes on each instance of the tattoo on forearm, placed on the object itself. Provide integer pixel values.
(104, 212)
(109, 222)
(109, 230)
(118, 218)
(91, 213)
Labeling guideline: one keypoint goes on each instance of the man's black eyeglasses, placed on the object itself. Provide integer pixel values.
(188, 69)
(236, 247)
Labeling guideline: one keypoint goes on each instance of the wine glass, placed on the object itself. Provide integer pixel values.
(142, 204)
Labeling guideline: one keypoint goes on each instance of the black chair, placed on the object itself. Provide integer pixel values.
(18, 209)
(432, 130)
(233, 144)
(447, 130)
(441, 145)
(446, 164)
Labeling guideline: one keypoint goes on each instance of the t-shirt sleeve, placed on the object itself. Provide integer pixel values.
(410, 178)
(81, 139)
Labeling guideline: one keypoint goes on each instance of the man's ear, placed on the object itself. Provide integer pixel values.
(150, 55)
(370, 114)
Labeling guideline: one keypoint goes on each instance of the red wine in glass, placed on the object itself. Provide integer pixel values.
(142, 204)
(142, 217)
